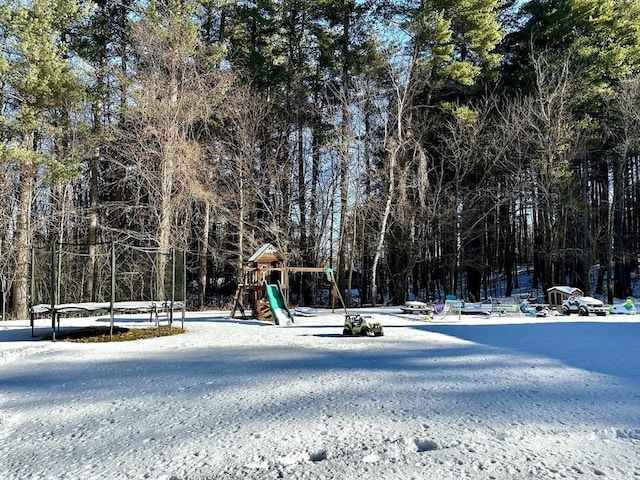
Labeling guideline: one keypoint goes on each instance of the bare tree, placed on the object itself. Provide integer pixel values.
(7, 253)
(624, 131)
(165, 167)
(399, 141)
(255, 180)
(550, 138)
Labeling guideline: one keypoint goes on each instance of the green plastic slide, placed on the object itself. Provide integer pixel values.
(279, 308)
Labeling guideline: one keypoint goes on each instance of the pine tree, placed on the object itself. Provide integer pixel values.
(39, 80)
(599, 41)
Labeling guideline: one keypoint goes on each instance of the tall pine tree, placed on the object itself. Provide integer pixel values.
(39, 81)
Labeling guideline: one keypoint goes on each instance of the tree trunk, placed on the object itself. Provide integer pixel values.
(241, 220)
(344, 146)
(203, 255)
(20, 287)
(509, 244)
(384, 220)
(92, 229)
(313, 198)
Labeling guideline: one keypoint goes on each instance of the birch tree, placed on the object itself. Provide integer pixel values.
(449, 49)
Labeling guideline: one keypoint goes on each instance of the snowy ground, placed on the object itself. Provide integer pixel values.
(484, 398)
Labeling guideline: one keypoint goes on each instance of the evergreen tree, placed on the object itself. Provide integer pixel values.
(452, 51)
(39, 81)
(599, 40)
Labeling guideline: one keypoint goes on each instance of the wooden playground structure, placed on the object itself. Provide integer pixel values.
(265, 273)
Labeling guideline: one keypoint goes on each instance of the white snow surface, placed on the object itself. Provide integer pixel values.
(282, 315)
(479, 398)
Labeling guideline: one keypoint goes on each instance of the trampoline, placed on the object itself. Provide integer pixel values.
(124, 279)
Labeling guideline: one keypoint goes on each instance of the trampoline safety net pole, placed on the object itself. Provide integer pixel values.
(184, 286)
(112, 294)
(173, 288)
(52, 286)
(32, 289)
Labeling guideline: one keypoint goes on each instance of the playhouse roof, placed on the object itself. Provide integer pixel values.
(266, 252)
(565, 290)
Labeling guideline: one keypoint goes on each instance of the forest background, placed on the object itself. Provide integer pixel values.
(430, 145)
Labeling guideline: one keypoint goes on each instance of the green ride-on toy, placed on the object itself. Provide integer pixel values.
(355, 324)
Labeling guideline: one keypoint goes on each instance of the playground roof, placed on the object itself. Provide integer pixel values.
(266, 252)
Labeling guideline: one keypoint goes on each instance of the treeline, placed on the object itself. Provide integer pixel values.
(408, 144)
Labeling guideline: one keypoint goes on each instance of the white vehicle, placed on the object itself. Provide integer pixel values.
(583, 306)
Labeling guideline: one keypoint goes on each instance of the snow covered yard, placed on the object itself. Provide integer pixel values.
(484, 398)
